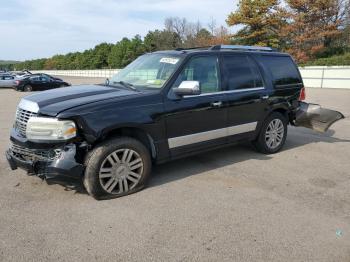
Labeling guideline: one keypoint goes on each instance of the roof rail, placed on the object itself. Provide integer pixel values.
(243, 47)
(192, 48)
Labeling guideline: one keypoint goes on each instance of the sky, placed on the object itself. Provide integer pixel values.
(42, 28)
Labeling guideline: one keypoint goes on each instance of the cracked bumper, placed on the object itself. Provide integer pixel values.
(63, 168)
(315, 117)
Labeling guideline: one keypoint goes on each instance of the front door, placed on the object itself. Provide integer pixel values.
(36, 83)
(197, 122)
(45, 82)
(247, 97)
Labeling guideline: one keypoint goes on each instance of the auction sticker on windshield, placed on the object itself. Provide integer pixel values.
(169, 60)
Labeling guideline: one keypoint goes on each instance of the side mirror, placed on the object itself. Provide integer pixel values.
(107, 82)
(188, 88)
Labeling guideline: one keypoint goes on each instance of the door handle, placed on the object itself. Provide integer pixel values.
(265, 97)
(216, 104)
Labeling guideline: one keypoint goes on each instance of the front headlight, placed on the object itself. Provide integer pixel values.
(43, 128)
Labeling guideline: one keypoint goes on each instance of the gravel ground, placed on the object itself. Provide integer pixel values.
(232, 204)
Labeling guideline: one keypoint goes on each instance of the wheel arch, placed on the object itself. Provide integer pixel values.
(136, 133)
(283, 109)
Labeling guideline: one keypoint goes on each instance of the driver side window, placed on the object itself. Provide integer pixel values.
(203, 69)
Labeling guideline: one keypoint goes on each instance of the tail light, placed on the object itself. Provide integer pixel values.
(302, 95)
(17, 82)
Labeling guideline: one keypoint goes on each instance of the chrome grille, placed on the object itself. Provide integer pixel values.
(35, 155)
(22, 117)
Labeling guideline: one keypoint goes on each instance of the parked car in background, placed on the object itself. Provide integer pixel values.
(7, 80)
(38, 82)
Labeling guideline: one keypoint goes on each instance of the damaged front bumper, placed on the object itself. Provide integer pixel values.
(56, 165)
(315, 117)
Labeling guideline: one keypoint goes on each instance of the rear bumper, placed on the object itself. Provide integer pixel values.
(315, 117)
(63, 168)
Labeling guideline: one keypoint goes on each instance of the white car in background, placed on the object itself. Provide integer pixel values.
(21, 74)
(7, 80)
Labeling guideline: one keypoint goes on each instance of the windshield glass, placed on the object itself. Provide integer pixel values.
(149, 71)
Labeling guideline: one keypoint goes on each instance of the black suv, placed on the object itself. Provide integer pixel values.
(165, 105)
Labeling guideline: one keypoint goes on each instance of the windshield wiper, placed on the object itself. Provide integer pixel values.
(125, 84)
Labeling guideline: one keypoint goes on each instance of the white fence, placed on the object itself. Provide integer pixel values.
(100, 73)
(326, 77)
(316, 76)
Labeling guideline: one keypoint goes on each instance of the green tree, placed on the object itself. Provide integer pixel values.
(161, 40)
(125, 51)
(261, 22)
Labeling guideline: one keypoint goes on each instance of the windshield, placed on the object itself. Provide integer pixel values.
(149, 71)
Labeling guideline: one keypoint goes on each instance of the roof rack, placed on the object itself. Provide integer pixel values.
(243, 47)
(193, 48)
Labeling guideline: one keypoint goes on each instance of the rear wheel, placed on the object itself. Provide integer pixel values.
(273, 134)
(27, 88)
(117, 167)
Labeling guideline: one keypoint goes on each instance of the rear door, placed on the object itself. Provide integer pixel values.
(9, 81)
(46, 82)
(247, 97)
(36, 83)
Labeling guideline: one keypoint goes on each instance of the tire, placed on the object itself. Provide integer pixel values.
(270, 139)
(27, 88)
(109, 173)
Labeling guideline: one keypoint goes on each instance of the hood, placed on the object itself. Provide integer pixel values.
(54, 101)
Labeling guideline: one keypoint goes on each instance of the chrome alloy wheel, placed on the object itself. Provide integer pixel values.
(121, 171)
(274, 134)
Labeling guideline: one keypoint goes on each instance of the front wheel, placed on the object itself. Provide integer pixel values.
(117, 167)
(273, 134)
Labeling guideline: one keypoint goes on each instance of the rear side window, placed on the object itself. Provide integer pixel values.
(35, 78)
(283, 70)
(240, 72)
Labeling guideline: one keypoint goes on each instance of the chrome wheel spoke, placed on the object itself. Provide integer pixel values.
(133, 174)
(136, 164)
(105, 172)
(113, 159)
(109, 182)
(121, 186)
(127, 155)
(132, 179)
(126, 186)
(112, 186)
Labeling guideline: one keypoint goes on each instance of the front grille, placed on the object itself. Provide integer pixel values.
(35, 155)
(22, 117)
